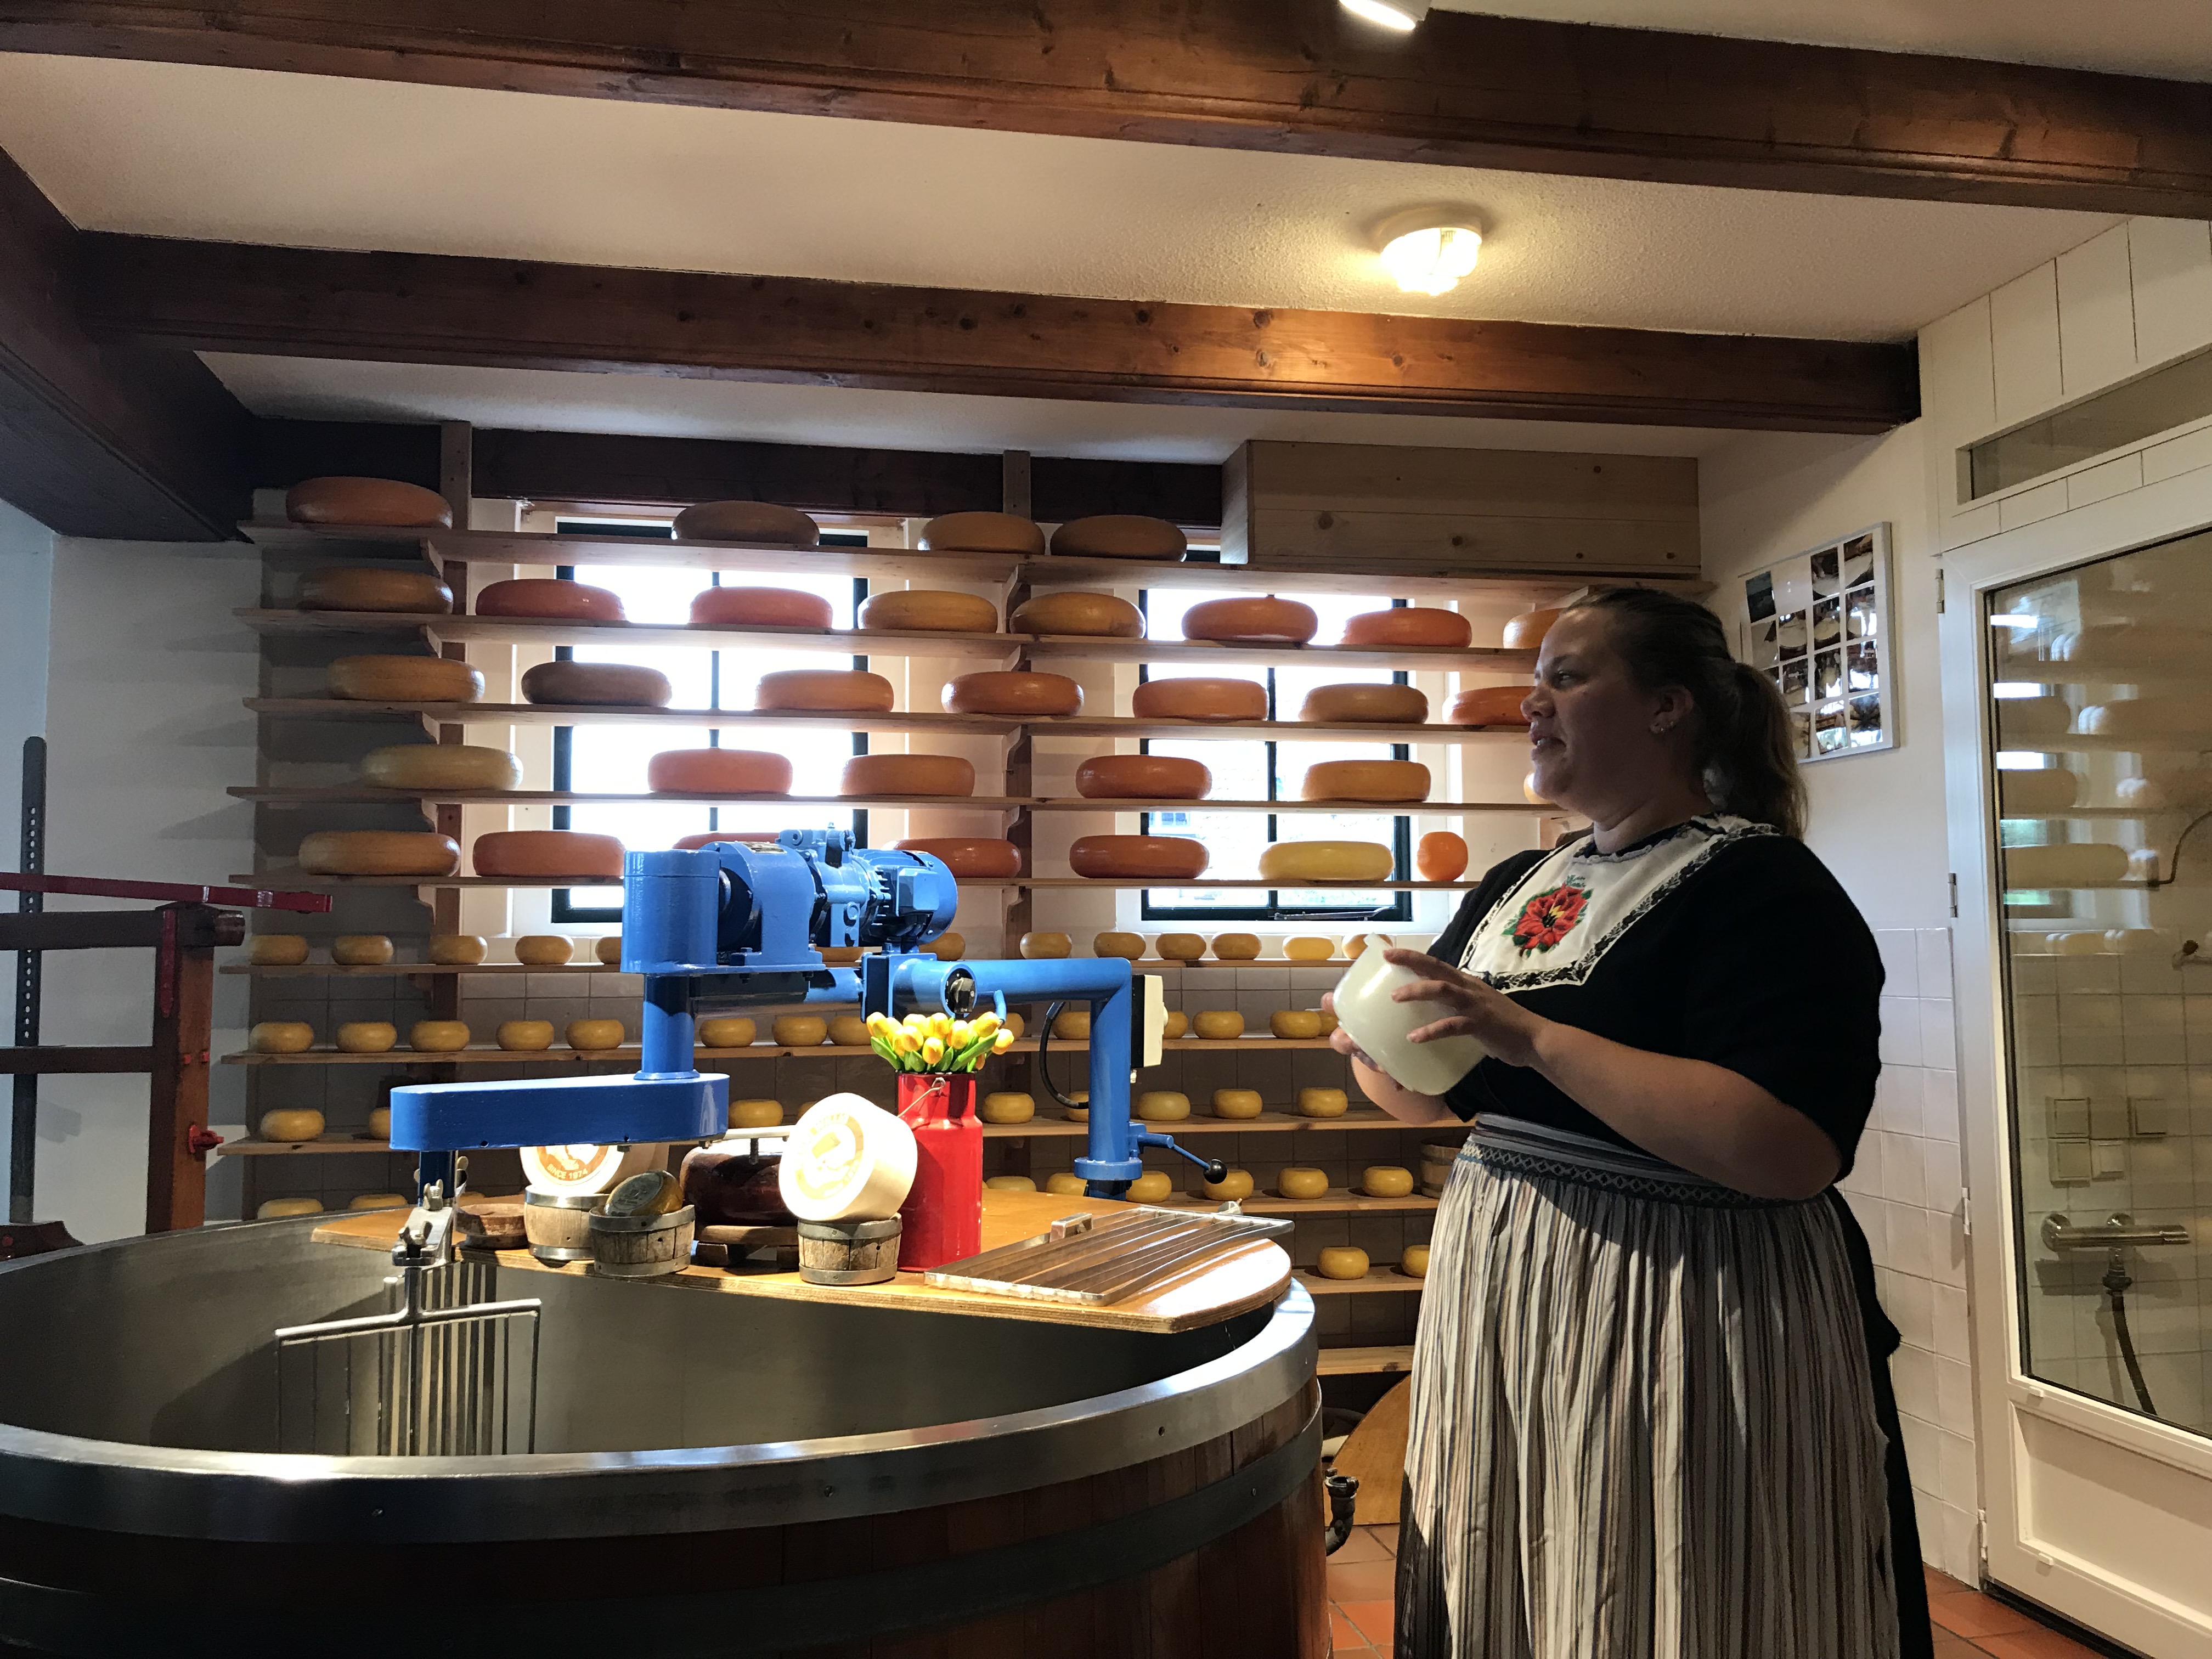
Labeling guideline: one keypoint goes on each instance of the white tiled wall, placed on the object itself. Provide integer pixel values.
(1906, 1191)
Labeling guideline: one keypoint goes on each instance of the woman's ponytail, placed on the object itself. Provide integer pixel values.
(1746, 749)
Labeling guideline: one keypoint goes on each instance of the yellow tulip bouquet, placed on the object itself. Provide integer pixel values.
(939, 1043)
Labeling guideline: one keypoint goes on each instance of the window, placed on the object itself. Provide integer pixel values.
(2175, 396)
(1264, 770)
(610, 758)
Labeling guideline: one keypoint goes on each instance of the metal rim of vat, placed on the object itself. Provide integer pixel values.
(274, 1497)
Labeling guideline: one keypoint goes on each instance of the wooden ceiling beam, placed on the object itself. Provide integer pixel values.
(1290, 76)
(425, 308)
(105, 439)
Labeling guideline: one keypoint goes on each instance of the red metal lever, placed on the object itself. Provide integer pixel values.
(199, 1140)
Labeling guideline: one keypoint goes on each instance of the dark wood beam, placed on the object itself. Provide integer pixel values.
(110, 438)
(1290, 76)
(424, 308)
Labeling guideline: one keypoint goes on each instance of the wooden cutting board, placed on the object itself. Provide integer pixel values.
(1375, 1453)
(1251, 1276)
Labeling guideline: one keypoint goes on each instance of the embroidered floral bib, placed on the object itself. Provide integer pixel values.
(1560, 919)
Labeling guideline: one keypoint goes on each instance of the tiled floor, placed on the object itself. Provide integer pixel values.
(1968, 1625)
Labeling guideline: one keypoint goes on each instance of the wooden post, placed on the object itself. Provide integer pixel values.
(184, 1017)
(1015, 496)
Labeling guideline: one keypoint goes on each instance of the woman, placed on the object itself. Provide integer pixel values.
(1651, 1407)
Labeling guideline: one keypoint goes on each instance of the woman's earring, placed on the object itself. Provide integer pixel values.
(1661, 728)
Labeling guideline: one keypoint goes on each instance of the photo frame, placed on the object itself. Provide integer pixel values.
(1817, 623)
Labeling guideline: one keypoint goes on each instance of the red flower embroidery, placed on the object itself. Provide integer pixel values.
(1549, 917)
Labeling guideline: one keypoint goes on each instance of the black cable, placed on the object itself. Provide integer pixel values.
(2173, 865)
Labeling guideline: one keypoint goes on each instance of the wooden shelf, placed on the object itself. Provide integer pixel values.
(1335, 1202)
(368, 794)
(253, 1146)
(1201, 1123)
(2064, 745)
(1366, 1362)
(711, 1059)
(1378, 1280)
(413, 970)
(2087, 813)
(302, 882)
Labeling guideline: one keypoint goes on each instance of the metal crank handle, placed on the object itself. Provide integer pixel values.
(1216, 1170)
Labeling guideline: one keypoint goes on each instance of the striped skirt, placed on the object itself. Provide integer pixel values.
(1643, 1424)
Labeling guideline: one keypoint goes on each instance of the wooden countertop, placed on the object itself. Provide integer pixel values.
(1250, 1276)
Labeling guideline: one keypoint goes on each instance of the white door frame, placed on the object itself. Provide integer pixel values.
(2096, 1512)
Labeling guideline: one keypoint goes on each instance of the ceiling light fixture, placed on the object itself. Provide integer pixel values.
(1429, 258)
(1400, 15)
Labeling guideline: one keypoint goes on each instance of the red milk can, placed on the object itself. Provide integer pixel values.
(942, 1219)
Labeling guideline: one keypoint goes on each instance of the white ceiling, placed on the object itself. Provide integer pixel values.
(2171, 38)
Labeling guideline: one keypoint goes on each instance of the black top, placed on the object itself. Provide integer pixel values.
(1750, 956)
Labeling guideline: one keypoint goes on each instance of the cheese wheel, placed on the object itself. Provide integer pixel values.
(1065, 1184)
(545, 950)
(2176, 788)
(2144, 717)
(970, 858)
(438, 1037)
(1234, 1187)
(842, 954)
(550, 597)
(801, 1030)
(458, 950)
(760, 522)
(755, 1114)
(607, 949)
(367, 587)
(718, 772)
(1323, 1102)
(950, 947)
(730, 1032)
(1298, 1181)
(1236, 947)
(2033, 717)
(1310, 947)
(1178, 1025)
(2144, 865)
(1442, 856)
(1357, 945)
(1217, 1024)
(2044, 791)
(1046, 947)
(1119, 536)
(379, 1201)
(404, 679)
(1414, 1262)
(1163, 1106)
(378, 853)
(2064, 866)
(1010, 1183)
(1215, 701)
(291, 1125)
(593, 1035)
(982, 532)
(1261, 621)
(849, 1032)
(1172, 858)
(276, 949)
(440, 766)
(367, 501)
(1386, 1181)
(1354, 702)
(1007, 1107)
(1341, 1262)
(379, 1123)
(1073, 1025)
(908, 775)
(279, 1209)
(1407, 625)
(1150, 1187)
(759, 607)
(570, 852)
(366, 1036)
(1237, 1103)
(847, 1158)
(361, 950)
(1087, 615)
(1130, 947)
(1365, 780)
(1488, 705)
(596, 685)
(1526, 631)
(1327, 1019)
(1142, 777)
(281, 1036)
(824, 691)
(524, 1036)
(1012, 692)
(928, 610)
(1327, 860)
(1296, 1024)
(1182, 947)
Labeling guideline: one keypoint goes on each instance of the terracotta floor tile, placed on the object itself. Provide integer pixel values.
(1955, 1646)
(1344, 1636)
(1941, 1584)
(1387, 1536)
(1363, 1581)
(1975, 1615)
(1375, 1621)
(2035, 1643)
(1361, 1546)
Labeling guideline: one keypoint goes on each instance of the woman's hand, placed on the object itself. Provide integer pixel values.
(1501, 1026)
(1393, 1097)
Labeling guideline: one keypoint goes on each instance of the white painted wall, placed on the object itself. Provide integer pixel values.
(27, 560)
(146, 671)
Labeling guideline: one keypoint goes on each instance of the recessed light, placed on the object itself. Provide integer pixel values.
(1429, 258)
(1400, 15)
